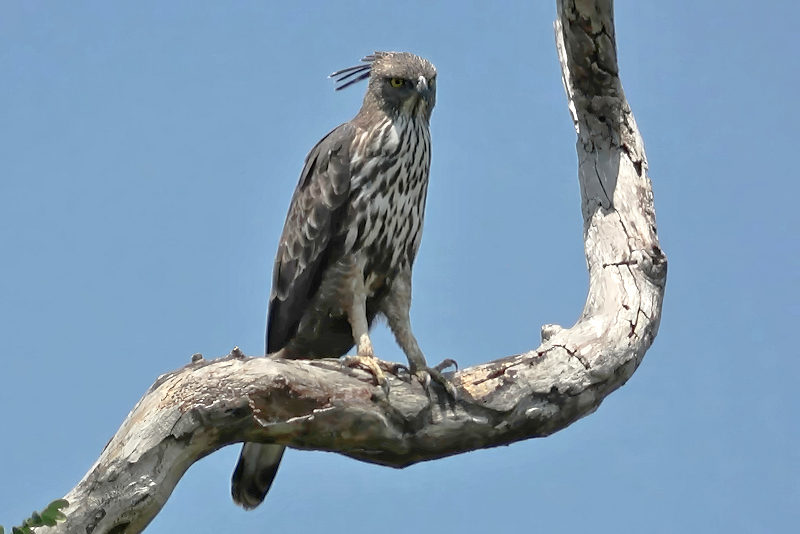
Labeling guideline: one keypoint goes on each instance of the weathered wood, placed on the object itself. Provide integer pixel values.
(318, 405)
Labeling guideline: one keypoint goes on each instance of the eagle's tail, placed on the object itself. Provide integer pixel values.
(257, 467)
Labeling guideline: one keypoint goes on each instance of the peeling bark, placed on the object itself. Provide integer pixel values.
(318, 405)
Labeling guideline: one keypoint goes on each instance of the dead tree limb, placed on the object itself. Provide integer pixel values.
(194, 411)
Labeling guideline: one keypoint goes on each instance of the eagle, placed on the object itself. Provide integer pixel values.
(350, 239)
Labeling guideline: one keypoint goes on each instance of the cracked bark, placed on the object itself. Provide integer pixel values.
(205, 405)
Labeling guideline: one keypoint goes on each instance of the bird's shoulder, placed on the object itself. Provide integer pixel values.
(329, 160)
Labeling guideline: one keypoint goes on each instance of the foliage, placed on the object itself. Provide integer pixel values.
(46, 518)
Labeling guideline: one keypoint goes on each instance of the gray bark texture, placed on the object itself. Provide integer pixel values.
(317, 404)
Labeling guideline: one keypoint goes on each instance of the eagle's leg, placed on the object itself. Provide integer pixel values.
(357, 316)
(397, 308)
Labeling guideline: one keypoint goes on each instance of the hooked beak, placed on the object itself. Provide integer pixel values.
(423, 89)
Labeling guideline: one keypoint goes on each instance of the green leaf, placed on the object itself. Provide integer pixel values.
(34, 521)
(52, 514)
(56, 505)
(48, 520)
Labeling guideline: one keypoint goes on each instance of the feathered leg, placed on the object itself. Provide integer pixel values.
(397, 308)
(357, 316)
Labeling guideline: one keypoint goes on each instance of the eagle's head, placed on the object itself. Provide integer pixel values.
(400, 83)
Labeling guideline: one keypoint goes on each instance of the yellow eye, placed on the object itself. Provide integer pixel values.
(397, 82)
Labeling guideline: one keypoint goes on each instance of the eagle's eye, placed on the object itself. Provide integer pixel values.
(397, 82)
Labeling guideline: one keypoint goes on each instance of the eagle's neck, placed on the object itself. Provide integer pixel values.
(389, 137)
(390, 162)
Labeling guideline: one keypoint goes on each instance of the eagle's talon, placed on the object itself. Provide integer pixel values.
(424, 378)
(428, 374)
(372, 365)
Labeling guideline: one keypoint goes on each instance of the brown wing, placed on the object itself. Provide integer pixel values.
(315, 216)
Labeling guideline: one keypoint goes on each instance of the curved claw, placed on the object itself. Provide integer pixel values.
(397, 367)
(444, 364)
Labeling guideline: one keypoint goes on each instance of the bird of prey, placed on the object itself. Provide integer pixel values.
(350, 238)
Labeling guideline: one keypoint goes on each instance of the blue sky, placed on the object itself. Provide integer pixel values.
(148, 152)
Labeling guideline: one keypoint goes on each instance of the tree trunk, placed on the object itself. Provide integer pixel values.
(317, 404)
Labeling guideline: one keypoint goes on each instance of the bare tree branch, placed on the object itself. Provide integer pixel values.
(318, 405)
